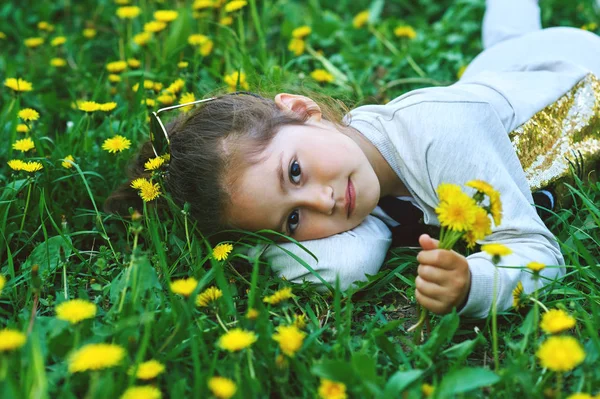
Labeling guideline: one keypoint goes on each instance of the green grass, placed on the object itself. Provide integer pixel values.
(56, 242)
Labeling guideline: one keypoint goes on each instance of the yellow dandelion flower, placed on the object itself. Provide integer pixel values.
(141, 39)
(23, 145)
(88, 106)
(221, 251)
(252, 314)
(11, 339)
(560, 353)
(116, 144)
(580, 395)
(148, 191)
(2, 35)
(58, 62)
(67, 165)
(234, 78)
(206, 48)
(481, 227)
(461, 71)
(128, 12)
(517, 294)
(187, 98)
(184, 286)
(360, 19)
(133, 63)
(297, 46)
(322, 76)
(182, 64)
(33, 42)
(148, 84)
(142, 392)
(211, 294)
(28, 114)
(226, 21)
(556, 320)
(139, 182)
(2, 282)
(279, 296)
(235, 5)
(154, 163)
(405, 31)
(197, 39)
(150, 102)
(114, 78)
(18, 84)
(221, 387)
(154, 26)
(290, 339)
(22, 128)
(116, 66)
(332, 390)
(496, 209)
(166, 98)
(457, 213)
(148, 370)
(496, 249)
(300, 321)
(58, 41)
(202, 4)
(89, 33)
(176, 86)
(536, 267)
(75, 310)
(157, 86)
(44, 25)
(237, 339)
(446, 191)
(122, 2)
(165, 15)
(301, 32)
(16, 164)
(107, 107)
(427, 390)
(96, 357)
(32, 166)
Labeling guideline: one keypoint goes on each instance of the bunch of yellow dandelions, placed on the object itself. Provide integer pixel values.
(462, 216)
(466, 217)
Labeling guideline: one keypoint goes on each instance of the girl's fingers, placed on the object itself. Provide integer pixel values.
(428, 243)
(433, 274)
(431, 304)
(436, 257)
(429, 289)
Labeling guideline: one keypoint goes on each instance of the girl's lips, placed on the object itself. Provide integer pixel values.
(350, 198)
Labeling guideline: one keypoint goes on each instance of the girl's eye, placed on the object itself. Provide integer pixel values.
(293, 221)
(295, 172)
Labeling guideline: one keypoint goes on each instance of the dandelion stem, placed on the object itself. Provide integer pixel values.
(26, 206)
(250, 365)
(221, 322)
(539, 303)
(495, 320)
(136, 233)
(65, 281)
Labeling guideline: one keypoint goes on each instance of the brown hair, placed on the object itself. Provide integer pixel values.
(208, 145)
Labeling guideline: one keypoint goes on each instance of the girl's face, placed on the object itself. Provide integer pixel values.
(313, 181)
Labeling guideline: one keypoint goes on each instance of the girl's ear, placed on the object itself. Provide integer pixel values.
(297, 105)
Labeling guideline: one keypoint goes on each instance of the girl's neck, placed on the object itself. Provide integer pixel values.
(389, 181)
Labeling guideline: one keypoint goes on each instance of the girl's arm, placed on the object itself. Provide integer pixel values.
(350, 255)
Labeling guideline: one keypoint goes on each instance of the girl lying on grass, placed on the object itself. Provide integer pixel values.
(523, 105)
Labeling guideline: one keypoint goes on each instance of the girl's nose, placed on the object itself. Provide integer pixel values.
(320, 198)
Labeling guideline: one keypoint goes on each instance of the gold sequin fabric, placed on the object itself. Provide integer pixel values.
(555, 135)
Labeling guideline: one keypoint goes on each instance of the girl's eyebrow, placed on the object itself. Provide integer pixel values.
(280, 175)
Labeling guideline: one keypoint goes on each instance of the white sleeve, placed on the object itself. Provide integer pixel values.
(481, 149)
(350, 255)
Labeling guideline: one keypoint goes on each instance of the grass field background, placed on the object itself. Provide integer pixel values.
(56, 244)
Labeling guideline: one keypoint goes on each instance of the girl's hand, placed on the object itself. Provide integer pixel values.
(444, 279)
